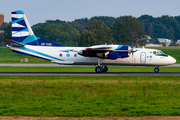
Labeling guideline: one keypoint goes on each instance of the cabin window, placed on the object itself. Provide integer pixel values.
(60, 54)
(154, 52)
(75, 55)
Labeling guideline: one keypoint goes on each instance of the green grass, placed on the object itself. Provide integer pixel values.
(89, 96)
(7, 56)
(86, 69)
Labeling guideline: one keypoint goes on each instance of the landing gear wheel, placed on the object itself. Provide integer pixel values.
(105, 68)
(156, 70)
(99, 69)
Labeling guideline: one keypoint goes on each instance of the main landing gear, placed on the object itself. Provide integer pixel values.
(156, 70)
(101, 68)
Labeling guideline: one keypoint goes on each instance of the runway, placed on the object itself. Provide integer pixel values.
(53, 65)
(90, 74)
(80, 73)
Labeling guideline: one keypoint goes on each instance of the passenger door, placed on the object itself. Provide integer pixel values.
(143, 57)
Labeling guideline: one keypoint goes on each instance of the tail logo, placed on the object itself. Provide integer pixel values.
(22, 32)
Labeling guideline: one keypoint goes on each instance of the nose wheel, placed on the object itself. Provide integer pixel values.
(156, 70)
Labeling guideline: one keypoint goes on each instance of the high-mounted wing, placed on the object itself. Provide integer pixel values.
(101, 51)
(107, 51)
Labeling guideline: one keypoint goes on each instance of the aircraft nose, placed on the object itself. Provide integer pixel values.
(171, 60)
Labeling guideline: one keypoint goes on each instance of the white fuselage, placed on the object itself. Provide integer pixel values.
(69, 55)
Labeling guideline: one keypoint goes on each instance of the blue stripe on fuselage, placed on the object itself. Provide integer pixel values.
(39, 53)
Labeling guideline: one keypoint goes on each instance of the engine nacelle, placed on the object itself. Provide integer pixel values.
(120, 52)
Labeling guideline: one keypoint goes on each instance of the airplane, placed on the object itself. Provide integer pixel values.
(25, 42)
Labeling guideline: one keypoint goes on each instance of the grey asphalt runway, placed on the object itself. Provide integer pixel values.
(52, 65)
(91, 73)
(82, 73)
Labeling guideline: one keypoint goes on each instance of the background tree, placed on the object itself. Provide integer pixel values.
(95, 33)
(5, 32)
(6, 27)
(61, 34)
(128, 30)
(150, 30)
(164, 27)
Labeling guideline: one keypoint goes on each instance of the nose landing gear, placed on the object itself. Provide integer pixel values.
(156, 70)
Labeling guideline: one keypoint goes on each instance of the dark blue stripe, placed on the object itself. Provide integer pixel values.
(39, 53)
(19, 39)
(13, 19)
(18, 12)
(30, 55)
(13, 12)
(18, 28)
(22, 22)
(43, 42)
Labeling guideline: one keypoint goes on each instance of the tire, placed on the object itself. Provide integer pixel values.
(156, 70)
(105, 68)
(99, 69)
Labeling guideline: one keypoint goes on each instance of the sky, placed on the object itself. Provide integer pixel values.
(38, 11)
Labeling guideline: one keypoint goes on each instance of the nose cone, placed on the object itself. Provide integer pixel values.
(171, 60)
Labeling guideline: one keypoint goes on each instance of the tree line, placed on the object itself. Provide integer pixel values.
(103, 29)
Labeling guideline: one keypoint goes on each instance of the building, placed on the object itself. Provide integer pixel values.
(153, 45)
(167, 42)
(1, 18)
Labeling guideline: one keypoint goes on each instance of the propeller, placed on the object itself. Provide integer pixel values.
(132, 51)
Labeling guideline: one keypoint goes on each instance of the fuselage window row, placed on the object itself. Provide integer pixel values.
(75, 55)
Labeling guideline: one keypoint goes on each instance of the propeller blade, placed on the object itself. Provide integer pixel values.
(132, 58)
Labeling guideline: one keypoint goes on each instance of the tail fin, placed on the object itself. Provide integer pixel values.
(22, 32)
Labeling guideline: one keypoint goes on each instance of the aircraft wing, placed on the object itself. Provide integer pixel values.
(100, 47)
(14, 43)
(101, 51)
(107, 51)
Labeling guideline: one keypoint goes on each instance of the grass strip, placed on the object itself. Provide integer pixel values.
(89, 96)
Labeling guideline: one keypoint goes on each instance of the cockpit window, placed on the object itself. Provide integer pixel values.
(161, 52)
(158, 52)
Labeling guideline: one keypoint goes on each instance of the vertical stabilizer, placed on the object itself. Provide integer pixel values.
(22, 32)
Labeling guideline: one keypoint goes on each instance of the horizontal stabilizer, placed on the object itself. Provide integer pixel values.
(14, 43)
(63, 62)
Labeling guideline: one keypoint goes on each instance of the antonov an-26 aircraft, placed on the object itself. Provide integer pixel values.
(25, 42)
